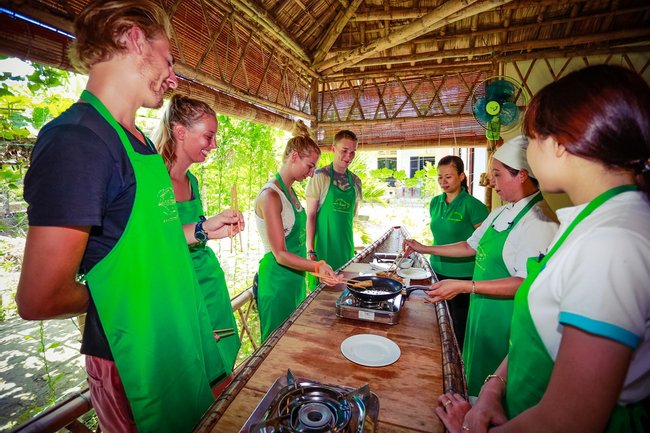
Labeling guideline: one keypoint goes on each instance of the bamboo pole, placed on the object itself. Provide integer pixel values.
(334, 31)
(449, 12)
(260, 17)
(192, 75)
(405, 120)
(419, 72)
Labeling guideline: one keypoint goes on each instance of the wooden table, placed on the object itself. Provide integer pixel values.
(310, 347)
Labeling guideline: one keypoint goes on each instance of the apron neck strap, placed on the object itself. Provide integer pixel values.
(286, 190)
(103, 111)
(588, 210)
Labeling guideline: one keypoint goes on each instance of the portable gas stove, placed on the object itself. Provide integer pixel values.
(349, 306)
(300, 405)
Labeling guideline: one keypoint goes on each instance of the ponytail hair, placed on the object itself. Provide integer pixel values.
(181, 110)
(301, 142)
(460, 167)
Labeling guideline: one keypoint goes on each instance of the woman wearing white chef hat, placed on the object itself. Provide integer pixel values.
(511, 234)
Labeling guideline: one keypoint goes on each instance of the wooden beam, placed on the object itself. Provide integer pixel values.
(226, 104)
(415, 13)
(505, 48)
(273, 43)
(502, 28)
(433, 70)
(461, 141)
(595, 51)
(193, 75)
(392, 15)
(351, 124)
(334, 31)
(449, 12)
(262, 18)
(532, 26)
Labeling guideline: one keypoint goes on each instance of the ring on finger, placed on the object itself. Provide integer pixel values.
(447, 403)
(465, 428)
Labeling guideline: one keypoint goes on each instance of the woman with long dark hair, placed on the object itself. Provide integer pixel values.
(579, 358)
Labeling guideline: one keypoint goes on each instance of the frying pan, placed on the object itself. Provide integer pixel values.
(383, 288)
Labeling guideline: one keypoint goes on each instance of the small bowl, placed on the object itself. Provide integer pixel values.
(406, 263)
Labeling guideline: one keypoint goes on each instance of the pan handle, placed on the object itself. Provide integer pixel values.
(407, 290)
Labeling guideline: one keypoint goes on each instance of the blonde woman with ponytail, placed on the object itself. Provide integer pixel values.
(185, 136)
(282, 223)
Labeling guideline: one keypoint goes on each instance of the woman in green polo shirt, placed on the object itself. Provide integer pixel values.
(454, 216)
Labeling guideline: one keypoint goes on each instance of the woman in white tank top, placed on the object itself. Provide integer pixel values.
(282, 224)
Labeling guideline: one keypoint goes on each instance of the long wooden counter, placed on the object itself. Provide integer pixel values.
(309, 344)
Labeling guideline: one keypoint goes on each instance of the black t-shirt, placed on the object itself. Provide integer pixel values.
(80, 175)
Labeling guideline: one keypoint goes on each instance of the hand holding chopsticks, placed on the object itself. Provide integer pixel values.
(349, 281)
(225, 224)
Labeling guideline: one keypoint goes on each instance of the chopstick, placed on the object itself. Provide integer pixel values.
(221, 333)
(234, 204)
(351, 282)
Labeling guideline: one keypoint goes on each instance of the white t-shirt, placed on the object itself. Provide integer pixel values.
(288, 217)
(599, 281)
(529, 238)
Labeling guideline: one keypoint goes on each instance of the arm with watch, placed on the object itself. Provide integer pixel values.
(227, 223)
(312, 212)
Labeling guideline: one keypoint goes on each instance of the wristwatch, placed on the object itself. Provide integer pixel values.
(199, 234)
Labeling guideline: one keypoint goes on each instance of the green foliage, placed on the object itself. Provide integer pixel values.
(428, 180)
(28, 102)
(50, 379)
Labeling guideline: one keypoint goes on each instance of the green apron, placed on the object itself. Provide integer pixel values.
(150, 305)
(450, 225)
(529, 363)
(334, 239)
(212, 280)
(488, 320)
(280, 288)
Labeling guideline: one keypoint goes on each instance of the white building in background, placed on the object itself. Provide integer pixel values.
(412, 160)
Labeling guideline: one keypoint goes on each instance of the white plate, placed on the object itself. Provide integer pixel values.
(414, 273)
(370, 350)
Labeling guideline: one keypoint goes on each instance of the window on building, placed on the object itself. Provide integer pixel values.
(418, 162)
(390, 163)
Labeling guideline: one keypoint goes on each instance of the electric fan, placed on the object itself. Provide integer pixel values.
(498, 103)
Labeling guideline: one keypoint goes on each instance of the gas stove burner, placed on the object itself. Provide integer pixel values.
(309, 407)
(349, 306)
(378, 305)
(315, 416)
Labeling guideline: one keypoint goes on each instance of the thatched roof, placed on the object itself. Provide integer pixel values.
(397, 72)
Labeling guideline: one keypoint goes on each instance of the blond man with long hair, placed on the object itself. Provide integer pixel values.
(105, 238)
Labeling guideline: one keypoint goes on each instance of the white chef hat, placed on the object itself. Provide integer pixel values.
(513, 154)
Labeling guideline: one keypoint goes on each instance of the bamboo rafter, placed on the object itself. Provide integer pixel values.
(488, 30)
(381, 103)
(260, 17)
(450, 11)
(334, 31)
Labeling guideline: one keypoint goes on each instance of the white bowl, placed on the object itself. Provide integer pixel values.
(406, 263)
